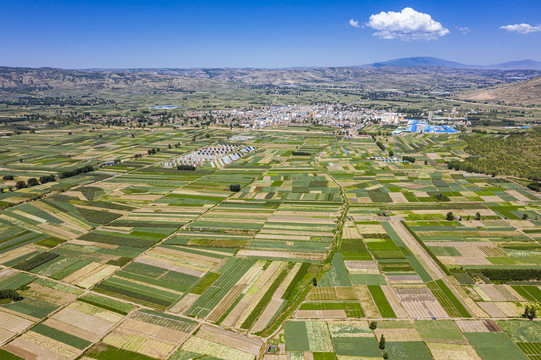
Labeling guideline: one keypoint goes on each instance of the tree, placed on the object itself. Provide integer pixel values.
(450, 216)
(32, 182)
(373, 325)
(7, 177)
(46, 179)
(382, 342)
(20, 184)
(314, 281)
(525, 217)
(207, 136)
(391, 153)
(478, 216)
(529, 312)
(234, 187)
(385, 355)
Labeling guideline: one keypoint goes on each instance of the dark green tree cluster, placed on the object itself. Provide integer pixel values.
(186, 167)
(472, 166)
(234, 187)
(503, 275)
(380, 145)
(535, 186)
(7, 177)
(46, 178)
(74, 172)
(153, 151)
(301, 153)
(10, 294)
(407, 158)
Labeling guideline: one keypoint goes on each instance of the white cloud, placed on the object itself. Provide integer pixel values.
(463, 29)
(354, 23)
(522, 28)
(406, 25)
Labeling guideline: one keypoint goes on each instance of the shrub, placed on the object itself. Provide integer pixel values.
(529, 312)
(10, 294)
(7, 177)
(438, 196)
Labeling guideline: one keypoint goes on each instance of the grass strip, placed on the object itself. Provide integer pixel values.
(381, 301)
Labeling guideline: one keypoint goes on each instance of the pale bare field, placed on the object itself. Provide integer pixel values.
(184, 303)
(278, 254)
(491, 309)
(229, 338)
(452, 352)
(320, 314)
(42, 347)
(11, 324)
(367, 303)
(401, 334)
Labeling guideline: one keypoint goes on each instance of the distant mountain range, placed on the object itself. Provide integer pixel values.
(432, 61)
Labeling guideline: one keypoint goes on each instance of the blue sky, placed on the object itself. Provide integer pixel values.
(161, 33)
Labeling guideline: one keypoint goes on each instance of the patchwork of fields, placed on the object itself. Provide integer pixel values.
(137, 261)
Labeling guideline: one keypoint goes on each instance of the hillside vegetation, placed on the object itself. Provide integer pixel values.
(516, 155)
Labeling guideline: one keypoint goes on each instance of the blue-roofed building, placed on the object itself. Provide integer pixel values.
(421, 126)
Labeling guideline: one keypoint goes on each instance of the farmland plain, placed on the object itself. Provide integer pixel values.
(134, 260)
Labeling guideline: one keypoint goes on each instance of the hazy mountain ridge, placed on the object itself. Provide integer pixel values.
(169, 79)
(432, 61)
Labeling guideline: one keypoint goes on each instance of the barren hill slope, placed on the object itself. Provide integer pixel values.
(524, 92)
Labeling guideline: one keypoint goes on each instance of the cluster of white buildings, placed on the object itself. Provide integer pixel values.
(386, 159)
(216, 155)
